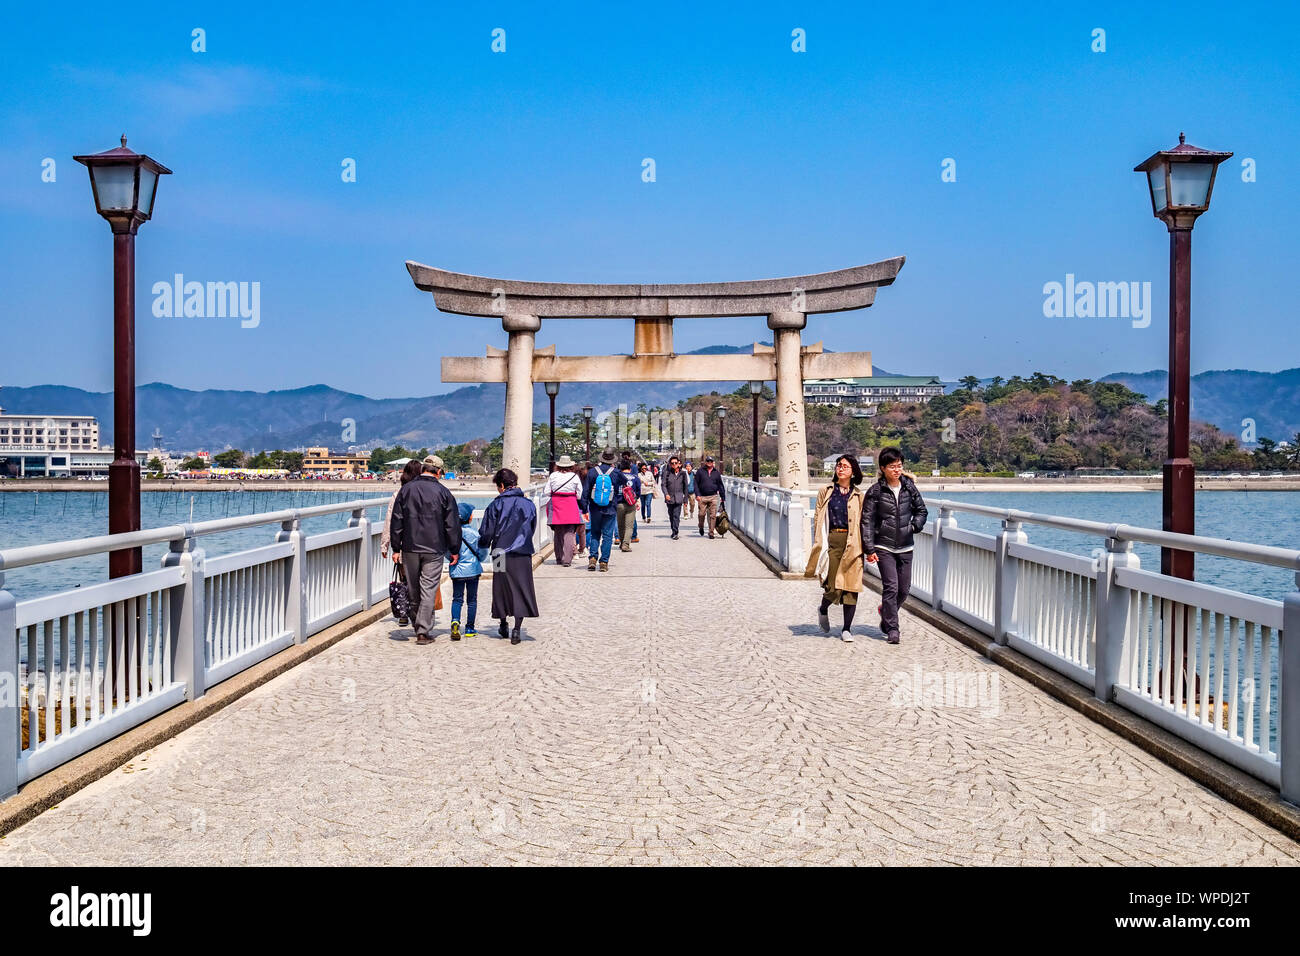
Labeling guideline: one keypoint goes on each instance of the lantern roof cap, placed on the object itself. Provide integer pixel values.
(1182, 153)
(121, 154)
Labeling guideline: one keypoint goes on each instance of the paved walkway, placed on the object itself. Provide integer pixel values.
(682, 708)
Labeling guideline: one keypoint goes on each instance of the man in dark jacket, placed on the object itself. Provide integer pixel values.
(709, 494)
(425, 529)
(673, 482)
(600, 537)
(892, 513)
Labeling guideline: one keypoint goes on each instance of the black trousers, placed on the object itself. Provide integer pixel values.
(896, 582)
(675, 516)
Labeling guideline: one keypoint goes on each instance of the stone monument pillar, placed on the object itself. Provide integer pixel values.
(791, 442)
(518, 441)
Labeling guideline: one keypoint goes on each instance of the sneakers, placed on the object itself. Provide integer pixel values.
(635, 539)
(470, 632)
(604, 565)
(455, 630)
(673, 536)
(591, 564)
(893, 638)
(847, 638)
(824, 622)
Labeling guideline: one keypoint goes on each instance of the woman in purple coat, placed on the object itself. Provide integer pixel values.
(506, 530)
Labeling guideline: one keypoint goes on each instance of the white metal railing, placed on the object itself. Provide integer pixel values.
(775, 519)
(81, 667)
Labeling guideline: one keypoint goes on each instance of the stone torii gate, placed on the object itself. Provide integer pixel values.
(786, 303)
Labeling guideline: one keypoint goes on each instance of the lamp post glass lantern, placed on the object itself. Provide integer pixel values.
(586, 419)
(124, 184)
(552, 389)
(1180, 182)
(755, 389)
(722, 454)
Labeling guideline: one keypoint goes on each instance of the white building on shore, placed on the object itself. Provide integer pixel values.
(53, 446)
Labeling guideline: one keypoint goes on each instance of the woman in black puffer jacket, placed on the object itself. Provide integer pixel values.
(892, 513)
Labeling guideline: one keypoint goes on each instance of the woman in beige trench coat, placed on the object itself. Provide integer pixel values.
(836, 557)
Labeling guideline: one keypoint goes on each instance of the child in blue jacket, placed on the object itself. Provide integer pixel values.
(465, 574)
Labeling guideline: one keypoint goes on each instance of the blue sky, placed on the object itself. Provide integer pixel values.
(527, 164)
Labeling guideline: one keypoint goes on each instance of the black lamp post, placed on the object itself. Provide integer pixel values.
(722, 454)
(124, 184)
(1180, 181)
(755, 389)
(586, 421)
(552, 389)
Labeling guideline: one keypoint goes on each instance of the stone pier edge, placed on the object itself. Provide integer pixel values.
(51, 789)
(1236, 786)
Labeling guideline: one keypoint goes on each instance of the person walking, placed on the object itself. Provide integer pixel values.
(689, 507)
(465, 574)
(709, 494)
(506, 531)
(580, 538)
(838, 526)
(424, 532)
(672, 481)
(630, 494)
(410, 470)
(601, 495)
(564, 489)
(893, 513)
(649, 490)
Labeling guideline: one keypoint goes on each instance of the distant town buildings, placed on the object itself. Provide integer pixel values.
(40, 446)
(908, 389)
(320, 461)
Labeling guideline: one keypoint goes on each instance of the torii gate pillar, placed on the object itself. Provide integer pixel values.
(517, 441)
(792, 445)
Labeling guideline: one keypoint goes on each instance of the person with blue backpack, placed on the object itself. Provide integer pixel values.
(465, 574)
(601, 494)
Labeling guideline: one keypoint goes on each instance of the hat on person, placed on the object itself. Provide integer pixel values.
(607, 455)
(433, 461)
(709, 458)
(466, 511)
(565, 462)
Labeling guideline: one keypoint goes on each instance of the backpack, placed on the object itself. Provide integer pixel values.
(602, 489)
(629, 494)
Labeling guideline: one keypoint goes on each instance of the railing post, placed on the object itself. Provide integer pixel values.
(296, 616)
(365, 559)
(10, 712)
(939, 557)
(189, 616)
(794, 533)
(1112, 617)
(1006, 578)
(1288, 697)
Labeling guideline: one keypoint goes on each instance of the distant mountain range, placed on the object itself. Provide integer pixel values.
(216, 418)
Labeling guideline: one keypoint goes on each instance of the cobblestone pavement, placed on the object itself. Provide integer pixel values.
(682, 708)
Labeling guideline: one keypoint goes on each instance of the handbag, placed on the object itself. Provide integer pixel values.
(722, 523)
(399, 596)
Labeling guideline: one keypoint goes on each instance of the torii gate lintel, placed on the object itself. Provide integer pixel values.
(785, 302)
